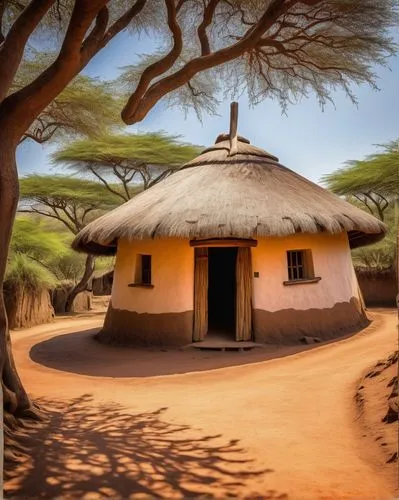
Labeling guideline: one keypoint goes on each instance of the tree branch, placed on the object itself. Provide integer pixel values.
(2, 7)
(12, 49)
(90, 44)
(55, 216)
(54, 79)
(161, 66)
(72, 58)
(142, 100)
(206, 21)
(122, 23)
(110, 189)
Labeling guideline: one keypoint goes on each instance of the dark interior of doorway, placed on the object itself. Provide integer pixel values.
(222, 291)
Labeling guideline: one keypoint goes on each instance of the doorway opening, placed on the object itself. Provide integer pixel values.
(222, 291)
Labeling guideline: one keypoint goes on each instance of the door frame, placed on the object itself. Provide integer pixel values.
(201, 282)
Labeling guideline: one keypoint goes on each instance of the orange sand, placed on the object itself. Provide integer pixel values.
(121, 426)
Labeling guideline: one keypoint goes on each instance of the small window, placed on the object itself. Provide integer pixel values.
(300, 265)
(143, 270)
(146, 269)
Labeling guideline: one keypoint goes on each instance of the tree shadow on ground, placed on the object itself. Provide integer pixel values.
(89, 451)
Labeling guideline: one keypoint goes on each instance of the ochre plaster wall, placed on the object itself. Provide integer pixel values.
(172, 277)
(164, 314)
(325, 309)
(331, 260)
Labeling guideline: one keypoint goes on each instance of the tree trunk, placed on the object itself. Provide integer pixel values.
(81, 286)
(15, 400)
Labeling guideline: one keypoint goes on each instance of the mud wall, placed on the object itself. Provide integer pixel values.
(172, 277)
(81, 303)
(290, 325)
(379, 288)
(103, 284)
(331, 262)
(27, 308)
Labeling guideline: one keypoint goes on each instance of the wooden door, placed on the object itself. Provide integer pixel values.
(200, 294)
(244, 294)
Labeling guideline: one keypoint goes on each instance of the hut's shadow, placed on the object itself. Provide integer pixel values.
(87, 451)
(80, 353)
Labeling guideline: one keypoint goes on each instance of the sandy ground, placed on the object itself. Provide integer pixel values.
(136, 424)
(372, 402)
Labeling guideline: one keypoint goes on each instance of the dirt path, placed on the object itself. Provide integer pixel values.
(282, 428)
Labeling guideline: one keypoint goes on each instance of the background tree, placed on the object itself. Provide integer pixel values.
(87, 107)
(374, 181)
(34, 246)
(279, 48)
(130, 160)
(41, 256)
(72, 202)
(374, 184)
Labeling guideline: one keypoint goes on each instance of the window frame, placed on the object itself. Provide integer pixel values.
(142, 271)
(146, 272)
(300, 267)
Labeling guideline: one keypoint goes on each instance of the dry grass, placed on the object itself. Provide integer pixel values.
(218, 195)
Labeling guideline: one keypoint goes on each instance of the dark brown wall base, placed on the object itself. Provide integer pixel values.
(290, 325)
(131, 328)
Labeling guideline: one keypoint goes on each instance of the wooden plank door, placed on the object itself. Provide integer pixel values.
(244, 294)
(200, 294)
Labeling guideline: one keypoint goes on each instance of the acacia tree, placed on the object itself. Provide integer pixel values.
(131, 160)
(74, 203)
(86, 107)
(276, 48)
(374, 181)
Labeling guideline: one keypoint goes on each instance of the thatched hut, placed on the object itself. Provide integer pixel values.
(231, 242)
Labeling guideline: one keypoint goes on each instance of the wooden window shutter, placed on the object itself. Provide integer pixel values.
(200, 294)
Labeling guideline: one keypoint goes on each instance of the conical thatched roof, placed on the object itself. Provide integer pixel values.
(244, 193)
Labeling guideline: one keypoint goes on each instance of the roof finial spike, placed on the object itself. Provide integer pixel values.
(233, 127)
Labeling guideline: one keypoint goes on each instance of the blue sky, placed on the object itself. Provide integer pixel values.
(308, 140)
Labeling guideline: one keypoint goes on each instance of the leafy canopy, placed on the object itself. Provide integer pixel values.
(271, 49)
(380, 255)
(87, 106)
(378, 172)
(133, 160)
(374, 184)
(373, 181)
(62, 189)
(34, 248)
(72, 201)
(156, 148)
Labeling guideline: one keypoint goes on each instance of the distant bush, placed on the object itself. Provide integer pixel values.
(25, 273)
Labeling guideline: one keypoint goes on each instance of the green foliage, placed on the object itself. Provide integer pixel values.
(41, 255)
(379, 256)
(62, 189)
(26, 273)
(32, 237)
(155, 148)
(377, 173)
(374, 181)
(87, 106)
(317, 47)
(33, 247)
(136, 161)
(74, 202)
(68, 266)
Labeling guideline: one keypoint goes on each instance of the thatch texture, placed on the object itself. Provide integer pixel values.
(218, 195)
